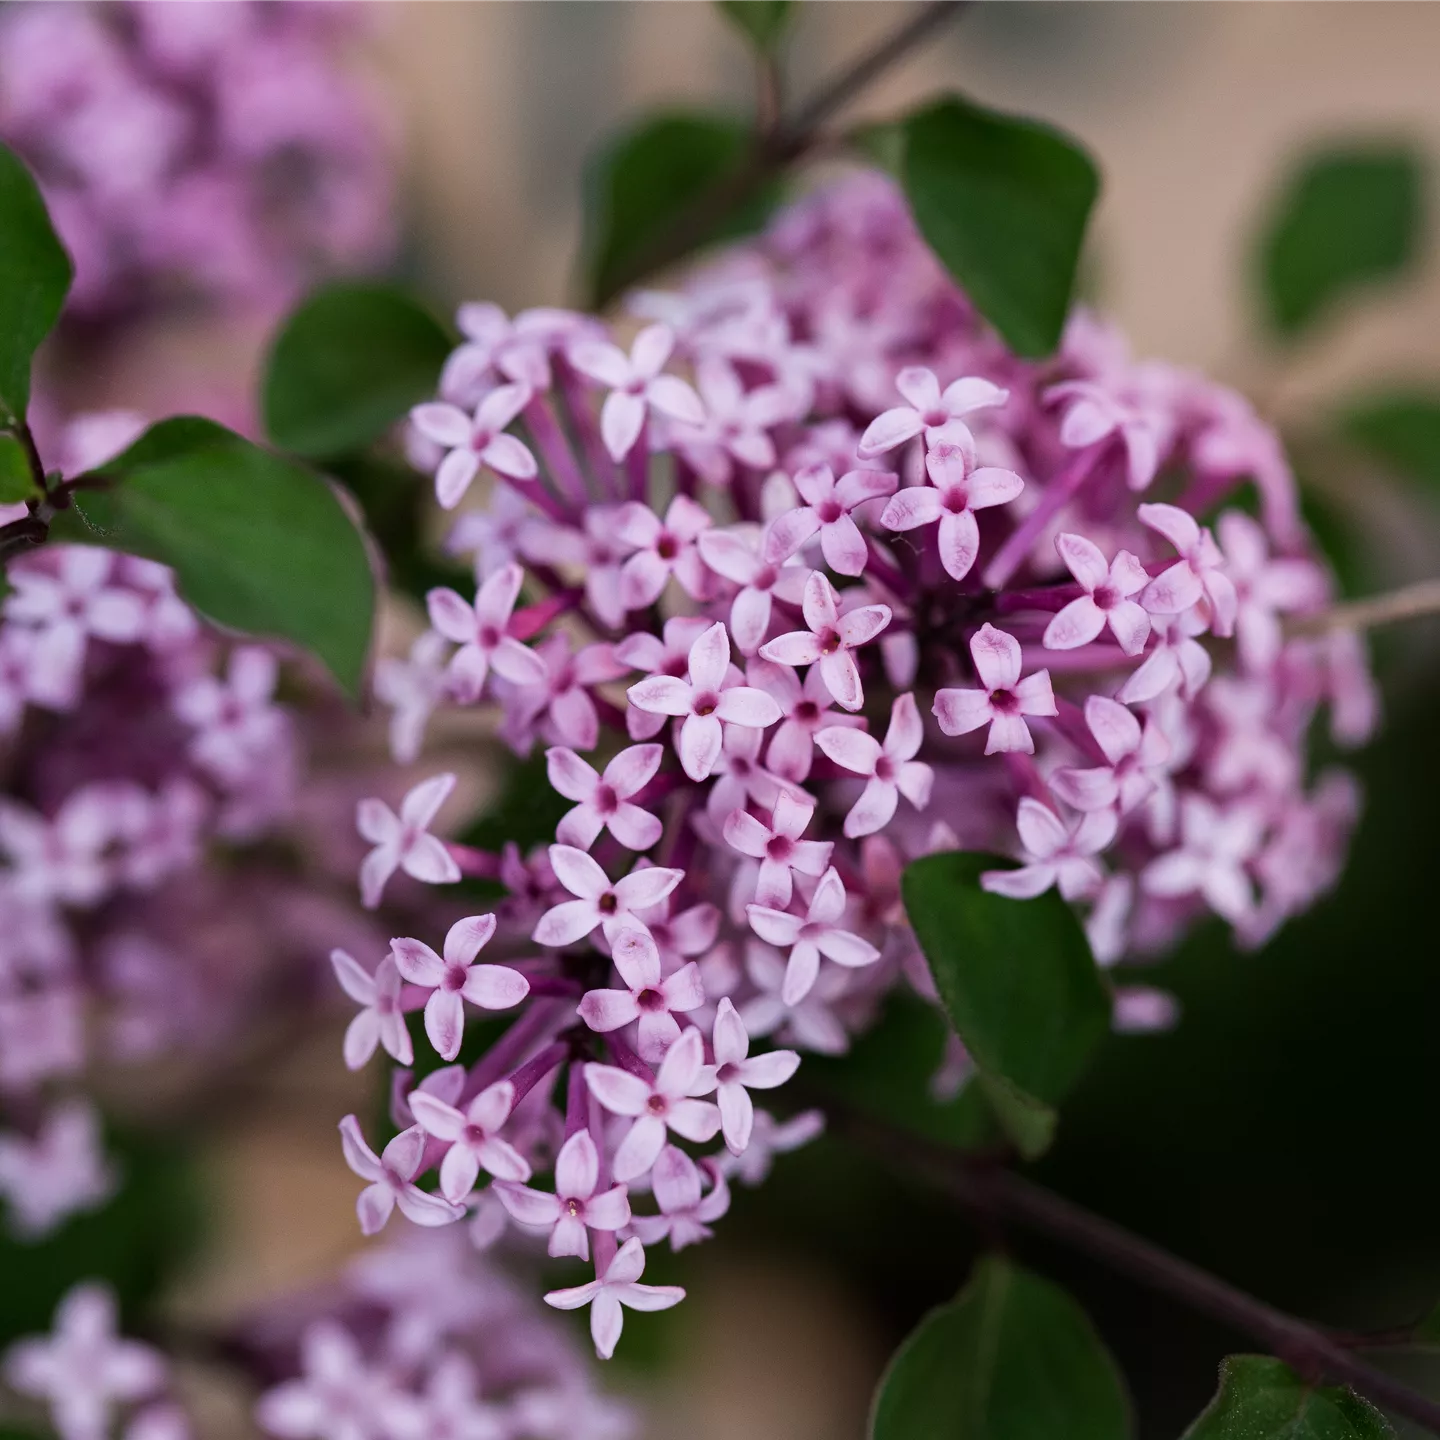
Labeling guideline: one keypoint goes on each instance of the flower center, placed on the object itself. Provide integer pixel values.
(574, 1209)
(936, 417)
(885, 769)
(1105, 596)
(667, 547)
(779, 847)
(727, 1073)
(807, 712)
(830, 641)
(656, 1104)
(764, 578)
(607, 904)
(489, 637)
(472, 1134)
(650, 1000)
(454, 977)
(1004, 701)
(829, 511)
(706, 704)
(955, 500)
(606, 800)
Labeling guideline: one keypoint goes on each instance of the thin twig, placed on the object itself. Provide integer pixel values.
(1410, 602)
(780, 147)
(1000, 1193)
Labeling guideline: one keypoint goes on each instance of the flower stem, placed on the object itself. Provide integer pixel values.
(1410, 602)
(998, 1193)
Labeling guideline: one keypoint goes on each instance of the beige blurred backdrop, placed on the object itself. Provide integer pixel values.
(1193, 109)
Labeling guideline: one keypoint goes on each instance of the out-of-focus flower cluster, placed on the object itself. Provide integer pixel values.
(813, 578)
(213, 152)
(419, 1339)
(135, 745)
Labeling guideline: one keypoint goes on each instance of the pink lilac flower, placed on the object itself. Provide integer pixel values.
(475, 440)
(474, 1138)
(61, 1172)
(809, 936)
(84, 1371)
(891, 769)
(605, 799)
(706, 702)
(618, 1285)
(561, 706)
(381, 1020)
(804, 710)
(412, 688)
(778, 846)
(1095, 413)
(662, 548)
(1055, 854)
(667, 1102)
(1005, 700)
(611, 905)
(636, 386)
(760, 582)
(1176, 660)
(403, 841)
(830, 640)
(456, 978)
(940, 414)
(769, 1139)
(827, 513)
(574, 1209)
(737, 1073)
(1197, 575)
(956, 490)
(737, 422)
(1135, 758)
(391, 1176)
(481, 632)
(235, 720)
(1266, 587)
(649, 998)
(70, 598)
(1106, 600)
(686, 1211)
(1216, 845)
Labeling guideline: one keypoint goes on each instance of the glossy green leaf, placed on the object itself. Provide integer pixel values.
(347, 364)
(1004, 203)
(17, 484)
(1013, 1358)
(1347, 219)
(646, 181)
(258, 543)
(1401, 429)
(763, 22)
(34, 278)
(1018, 981)
(1263, 1399)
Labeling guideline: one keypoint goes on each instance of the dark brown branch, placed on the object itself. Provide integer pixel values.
(781, 146)
(1001, 1194)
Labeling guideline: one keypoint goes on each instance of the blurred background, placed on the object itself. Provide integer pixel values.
(1283, 1134)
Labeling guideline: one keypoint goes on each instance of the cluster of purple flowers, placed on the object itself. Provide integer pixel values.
(196, 151)
(828, 579)
(126, 754)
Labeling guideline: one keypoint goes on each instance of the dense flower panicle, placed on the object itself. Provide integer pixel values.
(220, 152)
(134, 743)
(868, 588)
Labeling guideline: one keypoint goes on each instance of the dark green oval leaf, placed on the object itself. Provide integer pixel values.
(1013, 1358)
(258, 543)
(1346, 218)
(347, 364)
(34, 278)
(1018, 981)
(763, 22)
(1263, 1399)
(647, 180)
(1004, 203)
(1400, 429)
(17, 483)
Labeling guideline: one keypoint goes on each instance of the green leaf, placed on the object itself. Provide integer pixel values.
(258, 543)
(1004, 203)
(1017, 980)
(1013, 1358)
(17, 484)
(1263, 1399)
(763, 21)
(1347, 218)
(1401, 429)
(647, 178)
(34, 278)
(347, 364)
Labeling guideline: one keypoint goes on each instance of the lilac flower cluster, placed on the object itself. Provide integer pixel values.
(827, 580)
(125, 754)
(211, 151)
